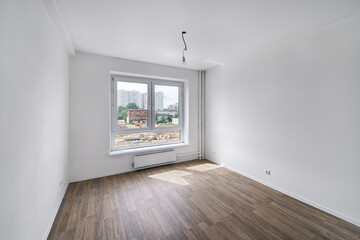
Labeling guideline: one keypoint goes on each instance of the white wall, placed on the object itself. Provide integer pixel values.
(90, 116)
(33, 120)
(293, 108)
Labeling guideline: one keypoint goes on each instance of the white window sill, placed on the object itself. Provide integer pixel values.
(147, 149)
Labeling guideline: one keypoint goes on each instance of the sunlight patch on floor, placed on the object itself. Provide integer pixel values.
(204, 167)
(174, 176)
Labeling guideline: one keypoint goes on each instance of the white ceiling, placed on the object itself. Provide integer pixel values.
(150, 30)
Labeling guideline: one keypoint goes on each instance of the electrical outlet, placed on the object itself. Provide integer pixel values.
(214, 153)
(267, 172)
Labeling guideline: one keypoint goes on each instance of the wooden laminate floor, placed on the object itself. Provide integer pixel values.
(189, 201)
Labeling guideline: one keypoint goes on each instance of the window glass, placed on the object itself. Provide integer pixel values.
(145, 111)
(132, 110)
(145, 138)
(166, 106)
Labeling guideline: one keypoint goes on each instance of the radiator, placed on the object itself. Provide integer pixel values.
(154, 159)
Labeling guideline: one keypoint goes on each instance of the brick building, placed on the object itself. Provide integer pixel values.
(136, 115)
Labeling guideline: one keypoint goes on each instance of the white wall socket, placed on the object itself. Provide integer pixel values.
(267, 172)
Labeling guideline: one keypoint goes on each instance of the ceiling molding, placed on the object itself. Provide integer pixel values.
(54, 14)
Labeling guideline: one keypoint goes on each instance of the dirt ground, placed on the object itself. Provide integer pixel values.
(136, 139)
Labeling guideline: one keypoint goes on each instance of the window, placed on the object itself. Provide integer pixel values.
(145, 112)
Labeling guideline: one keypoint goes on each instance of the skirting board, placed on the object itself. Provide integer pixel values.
(311, 203)
(178, 159)
(58, 204)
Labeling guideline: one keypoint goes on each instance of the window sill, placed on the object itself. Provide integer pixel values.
(147, 149)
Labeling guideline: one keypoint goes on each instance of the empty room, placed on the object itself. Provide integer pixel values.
(138, 119)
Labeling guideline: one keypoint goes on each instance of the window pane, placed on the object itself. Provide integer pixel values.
(166, 106)
(145, 138)
(132, 105)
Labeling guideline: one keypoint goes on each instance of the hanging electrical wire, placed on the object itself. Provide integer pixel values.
(185, 48)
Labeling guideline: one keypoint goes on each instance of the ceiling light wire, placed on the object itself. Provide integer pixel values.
(185, 48)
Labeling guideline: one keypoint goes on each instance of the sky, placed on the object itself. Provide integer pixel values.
(170, 92)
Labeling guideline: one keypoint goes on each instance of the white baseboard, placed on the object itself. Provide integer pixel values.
(187, 158)
(178, 159)
(58, 204)
(78, 179)
(293, 195)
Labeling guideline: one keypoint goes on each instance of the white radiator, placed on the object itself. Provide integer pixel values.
(154, 159)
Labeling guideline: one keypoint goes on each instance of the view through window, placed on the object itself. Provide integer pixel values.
(131, 105)
(145, 112)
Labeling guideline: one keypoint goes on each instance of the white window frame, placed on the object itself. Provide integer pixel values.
(152, 82)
